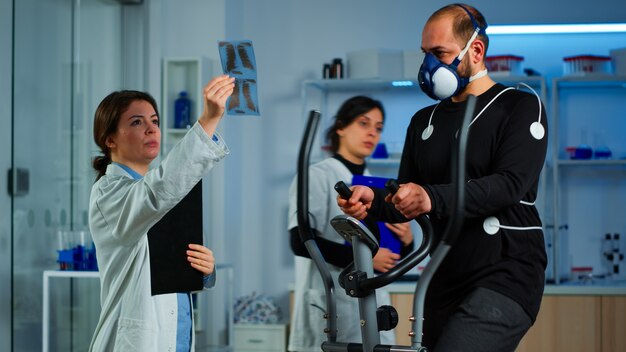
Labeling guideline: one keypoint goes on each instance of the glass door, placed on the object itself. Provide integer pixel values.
(42, 92)
(66, 56)
(6, 38)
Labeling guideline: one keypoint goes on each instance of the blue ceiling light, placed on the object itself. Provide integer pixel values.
(557, 28)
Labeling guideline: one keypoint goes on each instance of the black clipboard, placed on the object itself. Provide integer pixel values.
(168, 240)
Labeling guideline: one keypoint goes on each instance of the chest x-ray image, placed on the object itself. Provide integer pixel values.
(238, 61)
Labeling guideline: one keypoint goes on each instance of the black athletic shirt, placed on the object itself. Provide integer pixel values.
(503, 165)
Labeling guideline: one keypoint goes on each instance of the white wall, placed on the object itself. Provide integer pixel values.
(292, 40)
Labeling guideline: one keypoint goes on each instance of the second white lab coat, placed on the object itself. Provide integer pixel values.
(307, 324)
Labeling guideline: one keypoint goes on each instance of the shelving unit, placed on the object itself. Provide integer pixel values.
(579, 104)
(181, 74)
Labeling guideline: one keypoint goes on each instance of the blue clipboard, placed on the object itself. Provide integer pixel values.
(387, 238)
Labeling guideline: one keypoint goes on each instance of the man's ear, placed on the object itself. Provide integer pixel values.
(477, 51)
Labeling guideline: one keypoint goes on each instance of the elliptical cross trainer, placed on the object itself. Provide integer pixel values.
(358, 278)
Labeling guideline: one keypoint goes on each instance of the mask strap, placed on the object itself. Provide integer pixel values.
(474, 23)
(477, 31)
(467, 46)
(478, 75)
(457, 60)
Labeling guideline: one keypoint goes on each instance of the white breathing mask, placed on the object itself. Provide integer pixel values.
(440, 81)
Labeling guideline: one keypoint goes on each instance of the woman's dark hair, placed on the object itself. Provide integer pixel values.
(106, 119)
(347, 113)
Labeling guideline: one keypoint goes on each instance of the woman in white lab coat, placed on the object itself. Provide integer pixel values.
(128, 199)
(353, 137)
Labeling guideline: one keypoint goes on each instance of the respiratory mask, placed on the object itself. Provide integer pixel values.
(441, 81)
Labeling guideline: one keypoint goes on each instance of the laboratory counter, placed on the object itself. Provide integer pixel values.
(601, 288)
(573, 317)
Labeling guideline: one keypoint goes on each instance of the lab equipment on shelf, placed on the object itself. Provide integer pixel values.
(505, 64)
(326, 71)
(586, 64)
(336, 69)
(380, 152)
(182, 111)
(73, 253)
(581, 274)
(612, 252)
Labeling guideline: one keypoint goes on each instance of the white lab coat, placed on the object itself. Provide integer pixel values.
(307, 325)
(121, 211)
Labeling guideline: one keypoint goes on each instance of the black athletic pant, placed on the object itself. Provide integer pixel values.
(486, 321)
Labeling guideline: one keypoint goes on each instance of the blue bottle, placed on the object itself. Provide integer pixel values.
(182, 111)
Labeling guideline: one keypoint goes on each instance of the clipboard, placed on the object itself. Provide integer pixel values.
(168, 241)
(387, 238)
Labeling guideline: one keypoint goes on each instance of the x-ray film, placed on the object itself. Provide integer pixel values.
(238, 61)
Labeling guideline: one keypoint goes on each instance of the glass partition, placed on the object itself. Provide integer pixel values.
(67, 56)
(6, 30)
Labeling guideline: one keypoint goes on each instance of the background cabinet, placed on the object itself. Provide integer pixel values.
(565, 323)
(588, 194)
(181, 74)
(578, 323)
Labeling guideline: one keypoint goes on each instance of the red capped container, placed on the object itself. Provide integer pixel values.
(505, 64)
(586, 64)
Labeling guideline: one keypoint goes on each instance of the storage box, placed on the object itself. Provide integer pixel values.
(375, 63)
(505, 64)
(586, 64)
(412, 60)
(618, 56)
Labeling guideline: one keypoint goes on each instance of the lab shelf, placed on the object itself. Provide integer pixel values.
(386, 162)
(181, 74)
(585, 104)
(176, 131)
(342, 85)
(590, 81)
(592, 162)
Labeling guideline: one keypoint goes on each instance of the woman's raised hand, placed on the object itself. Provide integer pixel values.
(215, 94)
